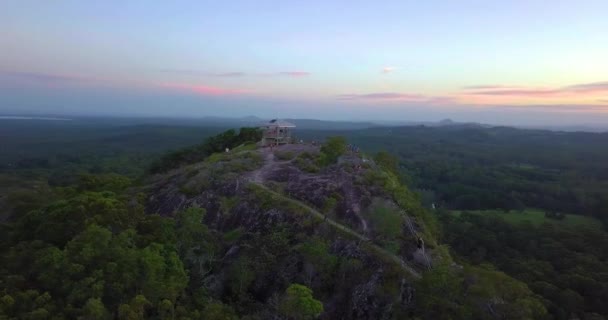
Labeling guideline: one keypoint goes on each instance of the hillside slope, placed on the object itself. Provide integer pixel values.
(349, 231)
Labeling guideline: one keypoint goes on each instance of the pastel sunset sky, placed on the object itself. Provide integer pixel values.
(516, 61)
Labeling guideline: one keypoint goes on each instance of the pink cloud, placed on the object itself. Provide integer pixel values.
(229, 74)
(386, 70)
(294, 73)
(46, 79)
(558, 107)
(205, 90)
(516, 92)
(551, 106)
(235, 73)
(589, 87)
(484, 87)
(577, 90)
(383, 96)
(189, 72)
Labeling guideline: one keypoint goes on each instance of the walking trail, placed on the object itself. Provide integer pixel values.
(349, 192)
(377, 249)
(259, 176)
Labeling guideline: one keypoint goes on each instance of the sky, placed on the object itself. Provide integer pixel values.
(503, 62)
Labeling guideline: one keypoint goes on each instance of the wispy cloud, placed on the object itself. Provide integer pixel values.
(205, 90)
(234, 74)
(580, 97)
(229, 74)
(567, 91)
(486, 86)
(383, 96)
(556, 107)
(386, 70)
(189, 72)
(294, 73)
(398, 98)
(47, 78)
(589, 87)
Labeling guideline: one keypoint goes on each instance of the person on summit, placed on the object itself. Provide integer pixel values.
(420, 243)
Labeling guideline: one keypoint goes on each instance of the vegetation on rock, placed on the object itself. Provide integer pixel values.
(90, 245)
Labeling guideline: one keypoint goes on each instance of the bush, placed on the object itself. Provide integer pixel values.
(284, 155)
(306, 165)
(332, 149)
(218, 143)
(299, 303)
(387, 161)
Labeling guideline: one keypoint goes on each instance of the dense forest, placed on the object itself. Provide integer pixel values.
(470, 167)
(565, 265)
(71, 198)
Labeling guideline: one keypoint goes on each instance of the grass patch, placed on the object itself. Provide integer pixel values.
(537, 217)
(387, 223)
(245, 147)
(385, 220)
(227, 203)
(189, 191)
(307, 165)
(284, 155)
(234, 235)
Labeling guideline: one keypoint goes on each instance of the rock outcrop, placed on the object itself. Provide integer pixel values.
(258, 191)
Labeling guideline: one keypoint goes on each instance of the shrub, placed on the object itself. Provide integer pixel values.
(298, 303)
(218, 143)
(306, 165)
(332, 149)
(284, 155)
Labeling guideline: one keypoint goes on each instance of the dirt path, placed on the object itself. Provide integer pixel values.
(349, 192)
(259, 176)
(377, 249)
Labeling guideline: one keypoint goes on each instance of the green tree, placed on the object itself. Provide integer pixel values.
(95, 310)
(505, 297)
(216, 310)
(190, 229)
(387, 161)
(135, 309)
(299, 304)
(330, 205)
(439, 295)
(332, 149)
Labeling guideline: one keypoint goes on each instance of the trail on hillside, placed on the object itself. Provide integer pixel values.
(349, 192)
(259, 175)
(379, 250)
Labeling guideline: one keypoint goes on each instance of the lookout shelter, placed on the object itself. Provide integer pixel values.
(276, 132)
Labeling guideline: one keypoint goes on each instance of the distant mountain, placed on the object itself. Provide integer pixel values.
(571, 128)
(309, 124)
(446, 122)
(314, 124)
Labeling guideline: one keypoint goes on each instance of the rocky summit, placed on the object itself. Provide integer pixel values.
(338, 228)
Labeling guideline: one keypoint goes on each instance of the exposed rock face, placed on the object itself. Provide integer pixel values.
(365, 301)
(224, 189)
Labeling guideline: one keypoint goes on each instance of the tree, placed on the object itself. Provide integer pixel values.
(248, 134)
(218, 311)
(332, 149)
(134, 310)
(190, 229)
(299, 304)
(95, 310)
(330, 205)
(387, 161)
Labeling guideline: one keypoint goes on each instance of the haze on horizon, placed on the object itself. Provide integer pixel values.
(504, 62)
